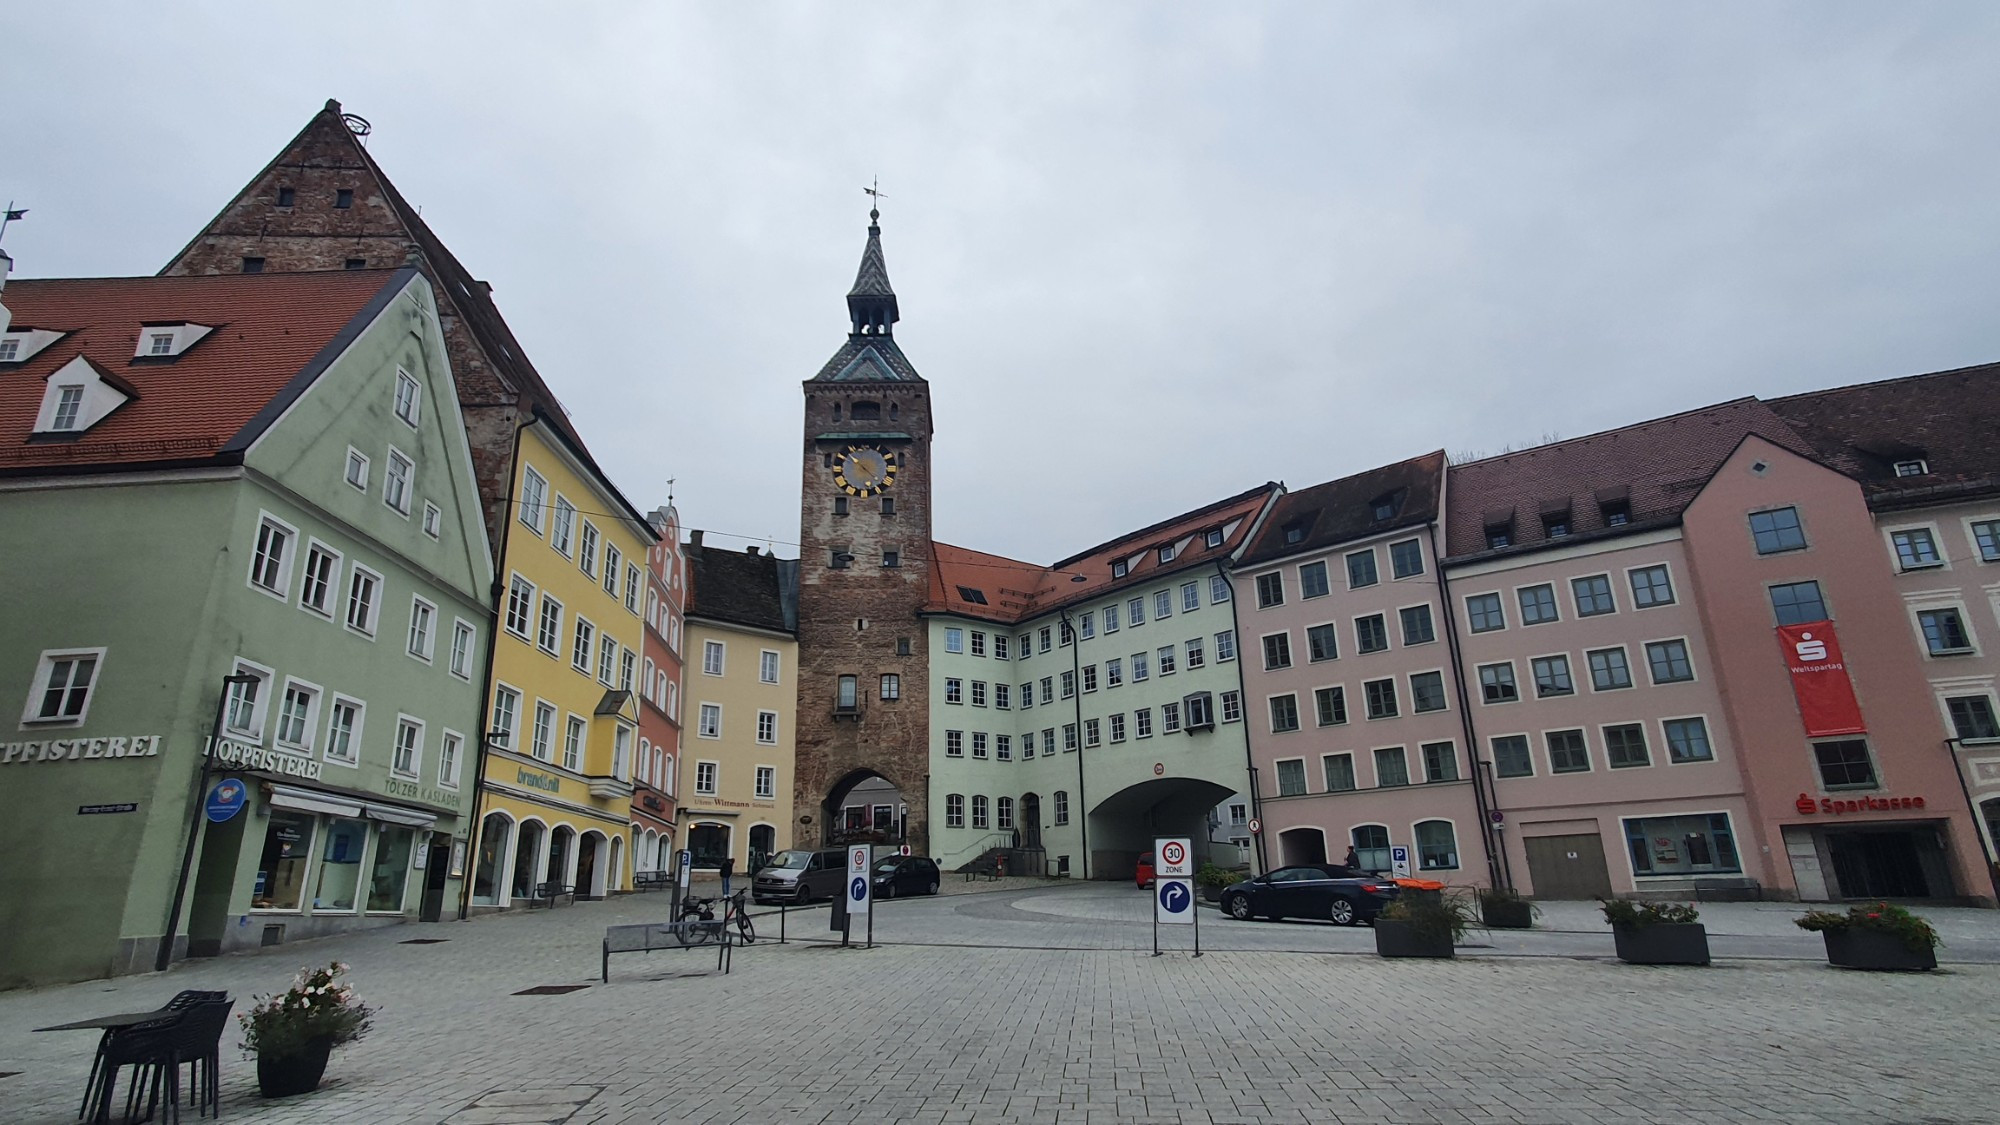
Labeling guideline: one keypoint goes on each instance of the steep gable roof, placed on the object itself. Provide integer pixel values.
(1343, 510)
(1946, 419)
(739, 587)
(1654, 468)
(273, 334)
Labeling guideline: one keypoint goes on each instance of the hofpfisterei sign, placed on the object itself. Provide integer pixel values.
(81, 749)
(233, 753)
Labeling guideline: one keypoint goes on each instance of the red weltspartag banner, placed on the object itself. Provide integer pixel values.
(1819, 679)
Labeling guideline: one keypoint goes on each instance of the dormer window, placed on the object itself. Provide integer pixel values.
(1214, 538)
(976, 597)
(1294, 533)
(1119, 569)
(1386, 506)
(1499, 525)
(10, 350)
(1167, 553)
(1617, 513)
(1555, 527)
(78, 396)
(163, 343)
(1914, 468)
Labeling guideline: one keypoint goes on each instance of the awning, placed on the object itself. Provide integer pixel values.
(307, 800)
(410, 818)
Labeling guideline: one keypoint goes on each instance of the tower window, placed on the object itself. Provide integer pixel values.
(865, 411)
(840, 505)
(892, 559)
(285, 196)
(356, 263)
(888, 505)
(253, 265)
(343, 198)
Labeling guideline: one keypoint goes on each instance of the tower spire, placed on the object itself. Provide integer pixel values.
(871, 304)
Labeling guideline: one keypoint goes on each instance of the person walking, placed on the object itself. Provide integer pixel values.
(1353, 860)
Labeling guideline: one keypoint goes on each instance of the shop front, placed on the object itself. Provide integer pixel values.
(527, 841)
(297, 860)
(1871, 847)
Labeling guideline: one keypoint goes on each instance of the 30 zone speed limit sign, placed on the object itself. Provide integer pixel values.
(1176, 858)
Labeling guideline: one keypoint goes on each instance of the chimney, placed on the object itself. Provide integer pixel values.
(694, 538)
(750, 550)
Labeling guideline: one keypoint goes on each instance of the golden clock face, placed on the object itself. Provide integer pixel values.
(862, 470)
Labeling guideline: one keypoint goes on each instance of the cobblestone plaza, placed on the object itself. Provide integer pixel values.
(1061, 1015)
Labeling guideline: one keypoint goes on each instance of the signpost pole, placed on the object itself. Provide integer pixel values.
(165, 955)
(1194, 912)
(1173, 887)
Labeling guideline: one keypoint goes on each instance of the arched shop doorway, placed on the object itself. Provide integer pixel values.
(1125, 824)
(590, 865)
(490, 868)
(1301, 845)
(562, 856)
(527, 865)
(763, 841)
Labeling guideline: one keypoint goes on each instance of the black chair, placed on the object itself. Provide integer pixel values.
(198, 1046)
(147, 1048)
(182, 1001)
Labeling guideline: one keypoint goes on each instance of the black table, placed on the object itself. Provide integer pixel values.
(123, 1019)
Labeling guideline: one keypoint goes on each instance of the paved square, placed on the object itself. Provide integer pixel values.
(941, 1032)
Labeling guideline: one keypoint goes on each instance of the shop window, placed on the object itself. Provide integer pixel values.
(340, 865)
(281, 871)
(1682, 845)
(391, 871)
(1437, 846)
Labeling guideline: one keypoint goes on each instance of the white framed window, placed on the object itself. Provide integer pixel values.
(298, 715)
(243, 713)
(463, 637)
(575, 734)
(562, 529)
(506, 712)
(357, 469)
(767, 783)
(542, 736)
(621, 752)
(713, 654)
(433, 520)
(520, 607)
(767, 667)
(271, 562)
(409, 398)
(408, 757)
(607, 659)
(628, 664)
(423, 629)
(767, 728)
(710, 723)
(451, 754)
(548, 626)
(586, 549)
(705, 777)
(979, 805)
(534, 498)
(343, 730)
(580, 647)
(322, 578)
(614, 562)
(398, 482)
(364, 596)
(1916, 548)
(69, 404)
(632, 587)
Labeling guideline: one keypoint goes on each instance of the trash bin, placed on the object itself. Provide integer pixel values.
(837, 917)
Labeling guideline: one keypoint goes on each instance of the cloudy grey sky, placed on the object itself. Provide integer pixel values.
(1148, 254)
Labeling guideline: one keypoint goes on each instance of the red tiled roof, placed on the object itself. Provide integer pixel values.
(1661, 464)
(1016, 590)
(268, 330)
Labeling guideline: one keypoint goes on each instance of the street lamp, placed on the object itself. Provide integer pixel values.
(165, 955)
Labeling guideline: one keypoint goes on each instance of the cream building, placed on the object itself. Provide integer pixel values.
(740, 694)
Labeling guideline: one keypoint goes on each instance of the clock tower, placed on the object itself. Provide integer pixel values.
(864, 572)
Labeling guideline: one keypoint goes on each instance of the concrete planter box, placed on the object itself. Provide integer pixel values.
(1507, 914)
(1662, 943)
(1400, 939)
(1875, 949)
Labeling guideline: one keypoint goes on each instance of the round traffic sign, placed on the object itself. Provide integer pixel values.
(1159, 768)
(1256, 826)
(1174, 896)
(1173, 854)
(858, 889)
(1497, 816)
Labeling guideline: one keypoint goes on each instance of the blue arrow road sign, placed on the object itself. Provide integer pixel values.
(1174, 897)
(858, 889)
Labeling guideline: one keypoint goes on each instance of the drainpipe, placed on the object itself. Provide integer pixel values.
(478, 825)
(1992, 865)
(1494, 872)
(1076, 683)
(1249, 763)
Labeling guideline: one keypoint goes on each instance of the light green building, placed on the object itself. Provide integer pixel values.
(254, 476)
(1078, 711)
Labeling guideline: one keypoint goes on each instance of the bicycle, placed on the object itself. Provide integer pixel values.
(696, 924)
(745, 929)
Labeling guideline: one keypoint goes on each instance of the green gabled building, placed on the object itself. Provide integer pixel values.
(257, 477)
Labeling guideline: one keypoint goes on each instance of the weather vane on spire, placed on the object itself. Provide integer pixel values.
(875, 197)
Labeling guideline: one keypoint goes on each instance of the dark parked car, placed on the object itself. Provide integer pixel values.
(1315, 890)
(905, 875)
(797, 877)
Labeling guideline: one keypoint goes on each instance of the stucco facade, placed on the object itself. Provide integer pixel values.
(741, 699)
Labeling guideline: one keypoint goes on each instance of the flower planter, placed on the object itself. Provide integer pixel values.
(1507, 914)
(1401, 939)
(1857, 948)
(1211, 893)
(1662, 943)
(289, 1075)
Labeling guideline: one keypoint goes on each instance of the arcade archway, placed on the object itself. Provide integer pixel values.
(1124, 825)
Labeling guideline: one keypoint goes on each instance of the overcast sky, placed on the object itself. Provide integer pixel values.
(1148, 255)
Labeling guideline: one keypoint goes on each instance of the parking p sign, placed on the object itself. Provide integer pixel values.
(1399, 860)
(858, 883)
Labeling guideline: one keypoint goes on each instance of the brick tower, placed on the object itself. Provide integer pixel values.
(864, 568)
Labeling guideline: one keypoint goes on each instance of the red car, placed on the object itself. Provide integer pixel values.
(1144, 876)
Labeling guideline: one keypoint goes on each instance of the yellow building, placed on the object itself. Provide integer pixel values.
(740, 694)
(555, 797)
